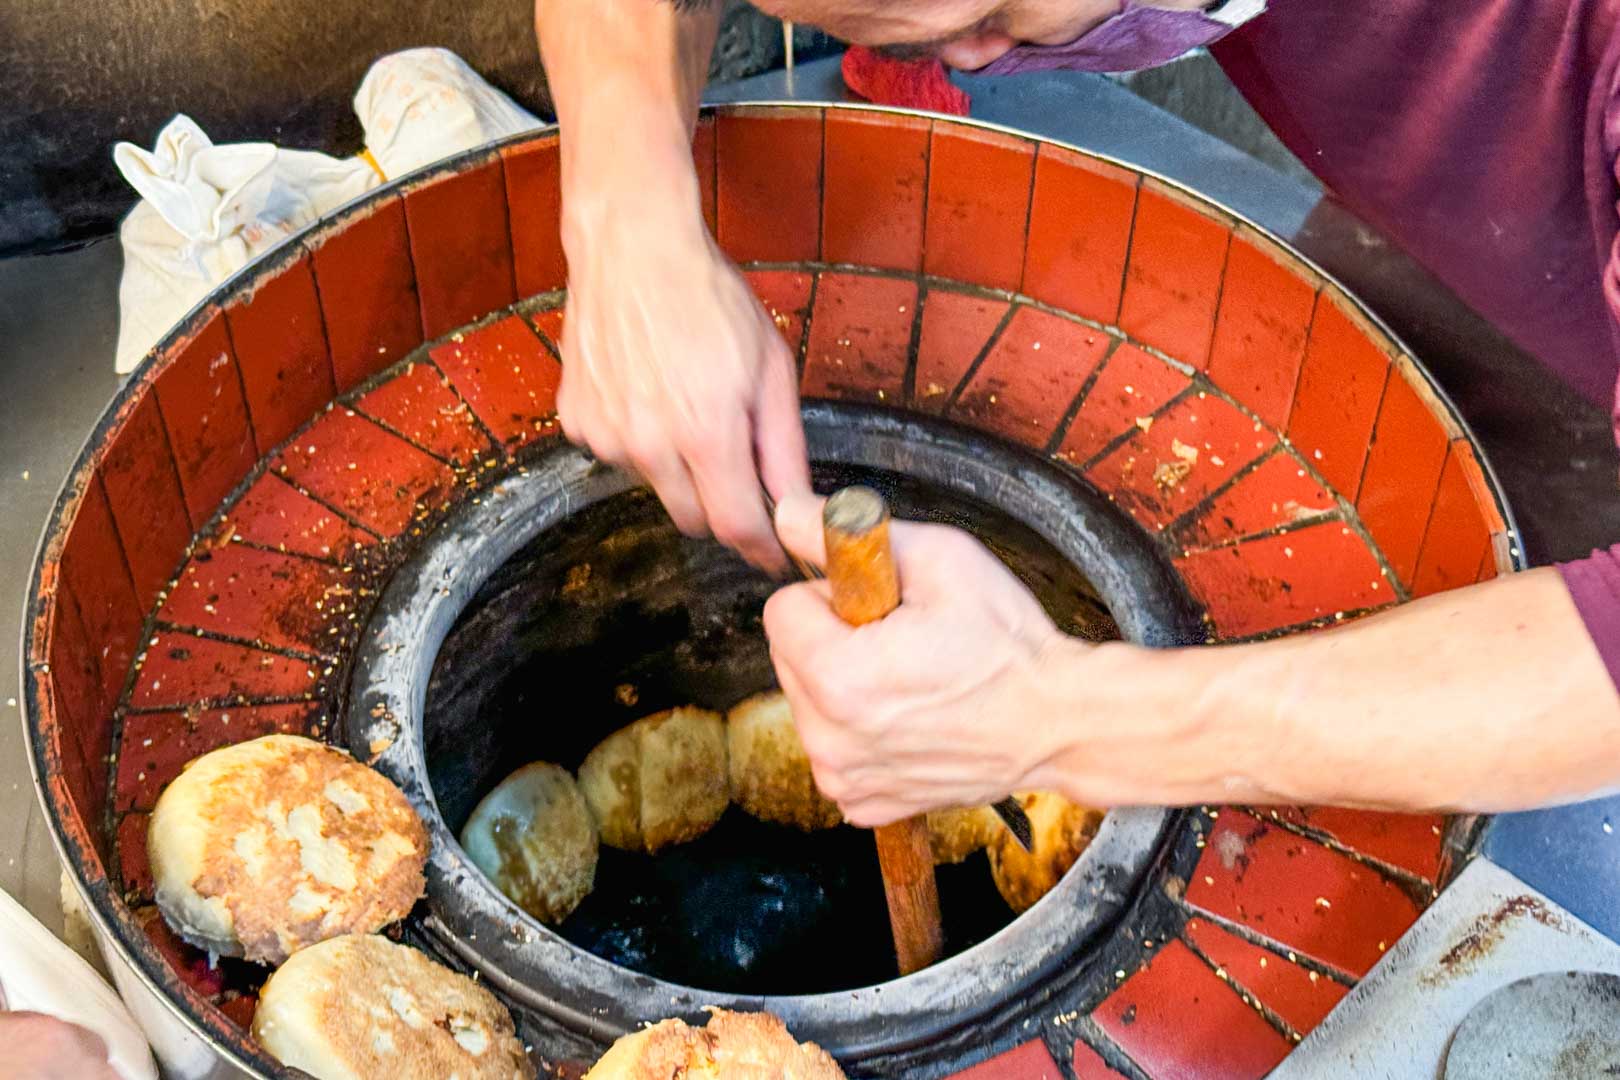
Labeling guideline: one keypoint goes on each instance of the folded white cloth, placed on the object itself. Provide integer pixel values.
(206, 211)
(40, 974)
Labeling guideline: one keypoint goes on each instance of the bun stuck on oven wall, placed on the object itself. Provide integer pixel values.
(262, 848)
(659, 781)
(534, 837)
(769, 770)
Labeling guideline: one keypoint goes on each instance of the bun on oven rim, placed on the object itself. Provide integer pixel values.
(262, 848)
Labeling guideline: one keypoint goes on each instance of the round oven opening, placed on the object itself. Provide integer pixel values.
(564, 605)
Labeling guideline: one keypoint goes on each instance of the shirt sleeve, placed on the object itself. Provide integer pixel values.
(1594, 585)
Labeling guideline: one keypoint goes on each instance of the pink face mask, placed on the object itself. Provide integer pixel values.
(1138, 36)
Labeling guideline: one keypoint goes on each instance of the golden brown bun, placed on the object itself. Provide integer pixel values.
(262, 848)
(658, 781)
(363, 1008)
(732, 1046)
(956, 834)
(534, 837)
(1062, 831)
(770, 772)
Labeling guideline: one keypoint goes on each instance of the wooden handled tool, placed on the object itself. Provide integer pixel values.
(865, 588)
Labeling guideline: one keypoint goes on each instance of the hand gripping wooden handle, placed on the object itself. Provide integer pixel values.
(865, 588)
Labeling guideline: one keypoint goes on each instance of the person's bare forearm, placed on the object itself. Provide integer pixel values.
(626, 77)
(1489, 698)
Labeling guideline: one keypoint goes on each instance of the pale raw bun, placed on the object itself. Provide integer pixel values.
(770, 772)
(360, 1007)
(956, 834)
(535, 838)
(264, 847)
(732, 1046)
(1062, 830)
(659, 781)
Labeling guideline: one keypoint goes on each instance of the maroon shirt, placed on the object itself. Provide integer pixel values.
(1482, 135)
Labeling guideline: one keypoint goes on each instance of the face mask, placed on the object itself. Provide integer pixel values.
(1137, 37)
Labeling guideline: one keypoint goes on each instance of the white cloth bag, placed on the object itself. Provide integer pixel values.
(207, 210)
(40, 974)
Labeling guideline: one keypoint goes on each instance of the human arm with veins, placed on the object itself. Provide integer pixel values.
(671, 366)
(1487, 698)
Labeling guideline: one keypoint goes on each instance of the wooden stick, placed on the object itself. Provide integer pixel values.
(865, 588)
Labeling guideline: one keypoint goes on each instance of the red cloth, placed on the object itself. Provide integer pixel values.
(911, 84)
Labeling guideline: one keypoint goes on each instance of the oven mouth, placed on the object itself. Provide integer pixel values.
(526, 540)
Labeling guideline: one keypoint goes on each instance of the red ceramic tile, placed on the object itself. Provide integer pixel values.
(274, 514)
(143, 491)
(786, 296)
(82, 708)
(860, 335)
(1280, 491)
(419, 404)
(876, 182)
(280, 345)
(1089, 1065)
(1458, 537)
(239, 1009)
(83, 778)
(1305, 897)
(460, 246)
(1403, 472)
(157, 746)
(1194, 447)
(1079, 233)
(1131, 387)
(93, 567)
(1278, 581)
(1178, 1021)
(1031, 1061)
(1301, 997)
(182, 670)
(769, 186)
(1265, 315)
(978, 204)
(549, 324)
(1413, 842)
(703, 159)
(191, 964)
(377, 478)
(135, 871)
(368, 292)
(1173, 279)
(956, 328)
(199, 394)
(508, 377)
(1340, 386)
(1030, 376)
(264, 597)
(534, 205)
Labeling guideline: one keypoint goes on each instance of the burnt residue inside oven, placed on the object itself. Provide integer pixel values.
(612, 615)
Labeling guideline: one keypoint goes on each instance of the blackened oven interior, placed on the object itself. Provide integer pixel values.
(612, 615)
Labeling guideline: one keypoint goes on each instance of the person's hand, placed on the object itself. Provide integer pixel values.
(34, 1046)
(940, 703)
(672, 368)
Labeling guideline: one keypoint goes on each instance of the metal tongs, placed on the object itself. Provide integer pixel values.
(1008, 810)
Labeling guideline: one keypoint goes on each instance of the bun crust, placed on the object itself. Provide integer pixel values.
(534, 837)
(262, 848)
(769, 770)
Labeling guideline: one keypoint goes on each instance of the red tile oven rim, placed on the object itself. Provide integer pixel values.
(181, 1012)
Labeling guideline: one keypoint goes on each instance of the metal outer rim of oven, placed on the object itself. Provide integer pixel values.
(111, 918)
(601, 1000)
